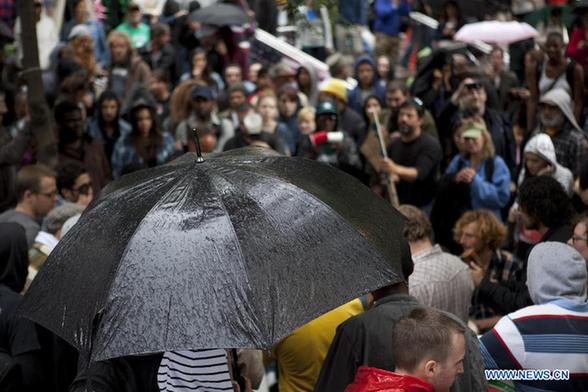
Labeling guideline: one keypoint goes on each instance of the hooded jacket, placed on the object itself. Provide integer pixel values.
(556, 271)
(561, 98)
(542, 146)
(369, 379)
(354, 97)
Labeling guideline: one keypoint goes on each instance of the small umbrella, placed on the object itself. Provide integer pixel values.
(220, 14)
(495, 32)
(233, 252)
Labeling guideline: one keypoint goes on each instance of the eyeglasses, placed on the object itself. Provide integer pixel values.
(84, 189)
(576, 238)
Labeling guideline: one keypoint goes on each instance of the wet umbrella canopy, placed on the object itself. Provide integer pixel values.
(233, 252)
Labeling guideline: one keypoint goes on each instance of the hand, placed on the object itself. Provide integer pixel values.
(513, 214)
(387, 165)
(458, 93)
(581, 44)
(546, 171)
(477, 273)
(465, 175)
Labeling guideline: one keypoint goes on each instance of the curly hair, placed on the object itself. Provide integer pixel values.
(543, 198)
(490, 229)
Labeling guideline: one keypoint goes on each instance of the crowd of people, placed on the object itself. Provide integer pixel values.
(487, 160)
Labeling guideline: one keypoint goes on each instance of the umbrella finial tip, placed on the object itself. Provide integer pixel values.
(198, 148)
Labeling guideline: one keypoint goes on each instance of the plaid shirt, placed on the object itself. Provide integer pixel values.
(8, 12)
(503, 267)
(570, 148)
(124, 153)
(443, 281)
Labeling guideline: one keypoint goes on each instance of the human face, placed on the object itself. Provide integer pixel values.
(73, 124)
(44, 200)
(534, 163)
(144, 121)
(579, 240)
(551, 116)
(202, 107)
(303, 77)
(135, 16)
(365, 73)
(383, 67)
(394, 99)
(473, 145)
(327, 122)
(82, 192)
(474, 97)
(554, 48)
(233, 75)
(446, 371)
(253, 70)
(496, 59)
(408, 121)
(372, 106)
(307, 126)
(469, 240)
(109, 110)
(199, 61)
(81, 11)
(119, 51)
(236, 99)
(287, 105)
(268, 108)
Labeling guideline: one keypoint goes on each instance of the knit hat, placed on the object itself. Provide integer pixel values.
(335, 87)
(556, 271)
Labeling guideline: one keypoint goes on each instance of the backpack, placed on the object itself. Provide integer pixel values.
(452, 201)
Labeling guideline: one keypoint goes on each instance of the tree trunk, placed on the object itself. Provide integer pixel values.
(41, 121)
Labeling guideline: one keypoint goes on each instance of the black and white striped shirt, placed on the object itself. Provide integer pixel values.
(199, 370)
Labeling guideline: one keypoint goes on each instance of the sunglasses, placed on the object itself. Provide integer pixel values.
(84, 189)
(473, 86)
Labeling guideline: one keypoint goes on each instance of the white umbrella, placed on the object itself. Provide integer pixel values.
(496, 32)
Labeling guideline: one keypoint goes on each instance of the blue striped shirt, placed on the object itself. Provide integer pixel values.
(549, 336)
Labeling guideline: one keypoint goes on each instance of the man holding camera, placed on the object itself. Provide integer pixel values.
(470, 100)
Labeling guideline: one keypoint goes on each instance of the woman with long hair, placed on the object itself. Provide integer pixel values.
(145, 144)
(201, 72)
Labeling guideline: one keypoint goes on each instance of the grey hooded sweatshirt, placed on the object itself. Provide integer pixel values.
(542, 146)
(556, 271)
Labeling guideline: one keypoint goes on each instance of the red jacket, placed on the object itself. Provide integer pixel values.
(369, 379)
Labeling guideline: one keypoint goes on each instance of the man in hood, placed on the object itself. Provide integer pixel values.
(547, 335)
(556, 118)
(366, 75)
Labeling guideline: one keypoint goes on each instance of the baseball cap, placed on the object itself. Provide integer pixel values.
(201, 91)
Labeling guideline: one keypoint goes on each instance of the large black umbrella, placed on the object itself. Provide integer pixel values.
(233, 252)
(220, 14)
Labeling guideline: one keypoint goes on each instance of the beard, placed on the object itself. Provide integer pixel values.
(405, 129)
(553, 121)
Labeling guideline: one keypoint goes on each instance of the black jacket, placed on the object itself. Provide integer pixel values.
(366, 340)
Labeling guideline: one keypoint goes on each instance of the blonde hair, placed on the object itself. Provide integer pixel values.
(119, 36)
(306, 114)
(488, 149)
(490, 229)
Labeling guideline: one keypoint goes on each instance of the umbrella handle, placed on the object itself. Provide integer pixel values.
(199, 158)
